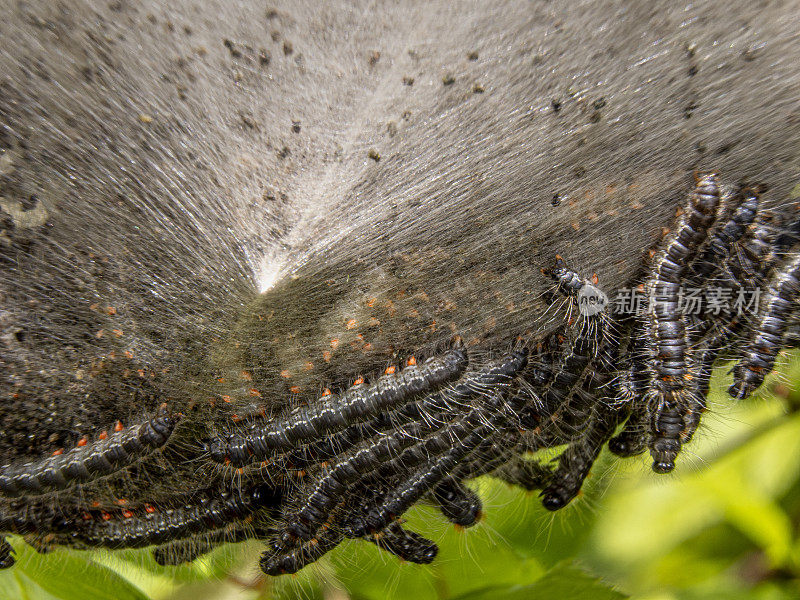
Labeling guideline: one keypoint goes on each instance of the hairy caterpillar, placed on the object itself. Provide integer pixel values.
(88, 461)
(766, 339)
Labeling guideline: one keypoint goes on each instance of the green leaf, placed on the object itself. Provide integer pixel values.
(64, 576)
(562, 582)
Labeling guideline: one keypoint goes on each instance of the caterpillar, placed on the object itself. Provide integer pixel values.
(161, 526)
(766, 338)
(666, 328)
(88, 461)
(357, 404)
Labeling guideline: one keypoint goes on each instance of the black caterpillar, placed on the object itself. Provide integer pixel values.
(88, 461)
(332, 413)
(769, 331)
(666, 326)
(153, 527)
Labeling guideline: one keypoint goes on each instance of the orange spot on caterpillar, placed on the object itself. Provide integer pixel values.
(58, 452)
(326, 392)
(86, 516)
(295, 389)
(595, 279)
(411, 361)
(359, 380)
(117, 332)
(575, 225)
(254, 392)
(82, 442)
(240, 471)
(335, 343)
(235, 418)
(148, 508)
(286, 374)
(227, 399)
(221, 379)
(103, 435)
(94, 306)
(308, 366)
(111, 310)
(99, 334)
(105, 516)
(371, 302)
(128, 354)
(351, 323)
(246, 375)
(127, 514)
(326, 356)
(118, 426)
(140, 372)
(122, 501)
(367, 347)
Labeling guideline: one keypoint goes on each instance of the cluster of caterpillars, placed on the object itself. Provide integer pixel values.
(351, 464)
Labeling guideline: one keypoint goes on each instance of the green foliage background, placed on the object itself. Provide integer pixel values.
(726, 525)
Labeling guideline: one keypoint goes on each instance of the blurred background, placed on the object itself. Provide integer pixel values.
(724, 525)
